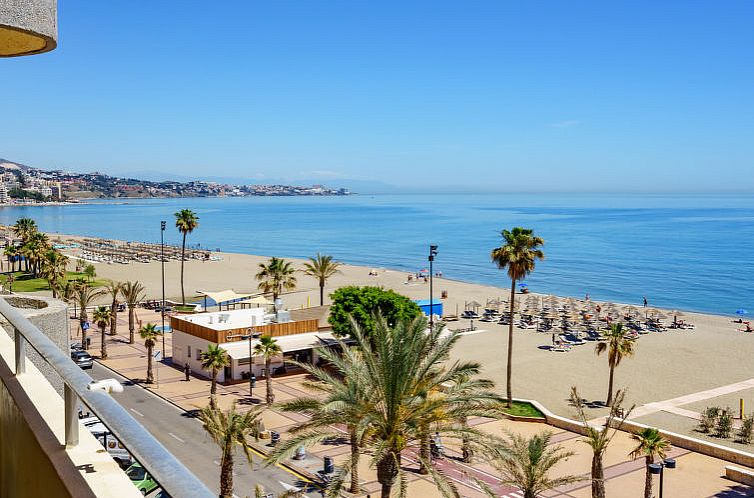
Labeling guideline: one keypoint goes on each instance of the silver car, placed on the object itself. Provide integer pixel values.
(82, 359)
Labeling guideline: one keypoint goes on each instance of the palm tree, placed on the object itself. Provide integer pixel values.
(150, 333)
(11, 252)
(229, 429)
(618, 346)
(84, 295)
(133, 293)
(321, 267)
(599, 438)
(276, 276)
(527, 462)
(24, 228)
(102, 317)
(114, 289)
(651, 445)
(387, 407)
(268, 348)
(185, 221)
(214, 359)
(519, 254)
(90, 271)
(54, 269)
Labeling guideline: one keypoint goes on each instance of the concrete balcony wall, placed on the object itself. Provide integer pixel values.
(33, 459)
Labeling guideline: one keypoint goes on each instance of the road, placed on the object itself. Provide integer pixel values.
(185, 438)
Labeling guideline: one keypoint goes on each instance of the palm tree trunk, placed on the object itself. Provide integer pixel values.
(648, 478)
(103, 346)
(387, 471)
(354, 489)
(183, 258)
(528, 493)
(150, 375)
(609, 401)
(268, 378)
(598, 477)
(509, 372)
(114, 313)
(213, 390)
(226, 471)
(131, 324)
(424, 451)
(322, 294)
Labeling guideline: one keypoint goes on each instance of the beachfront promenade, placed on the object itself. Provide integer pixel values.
(696, 475)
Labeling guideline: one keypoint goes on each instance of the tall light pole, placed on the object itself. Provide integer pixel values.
(163, 224)
(658, 469)
(432, 254)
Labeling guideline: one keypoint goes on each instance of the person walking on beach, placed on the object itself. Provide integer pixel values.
(187, 372)
(645, 301)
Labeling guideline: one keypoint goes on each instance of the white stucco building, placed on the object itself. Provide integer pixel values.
(192, 334)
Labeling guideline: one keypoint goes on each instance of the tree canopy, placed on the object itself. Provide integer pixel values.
(362, 303)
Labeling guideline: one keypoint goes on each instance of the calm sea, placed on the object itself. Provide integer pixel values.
(685, 252)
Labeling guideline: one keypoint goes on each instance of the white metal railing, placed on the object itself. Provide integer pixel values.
(171, 474)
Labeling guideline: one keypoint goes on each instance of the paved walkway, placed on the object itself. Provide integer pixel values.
(701, 475)
(670, 405)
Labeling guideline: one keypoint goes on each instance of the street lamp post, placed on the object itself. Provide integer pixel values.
(658, 469)
(432, 254)
(162, 263)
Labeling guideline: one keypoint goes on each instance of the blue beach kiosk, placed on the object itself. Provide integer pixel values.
(436, 306)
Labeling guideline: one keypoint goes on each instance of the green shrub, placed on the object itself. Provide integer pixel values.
(724, 424)
(362, 303)
(744, 433)
(709, 419)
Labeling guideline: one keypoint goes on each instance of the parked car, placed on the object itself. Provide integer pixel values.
(114, 447)
(141, 479)
(162, 494)
(82, 359)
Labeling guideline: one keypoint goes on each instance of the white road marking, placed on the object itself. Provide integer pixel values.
(176, 437)
(137, 412)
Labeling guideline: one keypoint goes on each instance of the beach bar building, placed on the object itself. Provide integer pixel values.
(298, 333)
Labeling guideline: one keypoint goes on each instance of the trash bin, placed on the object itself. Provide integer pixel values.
(88, 341)
(300, 453)
(329, 467)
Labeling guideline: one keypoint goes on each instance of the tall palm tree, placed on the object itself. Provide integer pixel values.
(618, 346)
(599, 438)
(114, 289)
(35, 250)
(84, 295)
(393, 369)
(519, 254)
(651, 445)
(322, 268)
(133, 293)
(230, 429)
(276, 276)
(527, 463)
(186, 222)
(150, 333)
(214, 359)
(268, 348)
(102, 317)
(24, 228)
(54, 269)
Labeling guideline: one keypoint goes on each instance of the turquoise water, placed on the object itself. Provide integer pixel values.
(686, 252)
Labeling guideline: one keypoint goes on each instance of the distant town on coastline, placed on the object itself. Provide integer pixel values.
(21, 184)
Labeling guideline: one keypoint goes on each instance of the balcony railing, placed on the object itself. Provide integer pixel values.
(172, 476)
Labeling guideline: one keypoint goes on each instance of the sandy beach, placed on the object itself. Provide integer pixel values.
(666, 365)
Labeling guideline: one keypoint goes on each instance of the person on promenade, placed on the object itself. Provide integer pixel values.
(187, 372)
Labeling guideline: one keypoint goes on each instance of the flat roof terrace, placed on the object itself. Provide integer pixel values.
(226, 326)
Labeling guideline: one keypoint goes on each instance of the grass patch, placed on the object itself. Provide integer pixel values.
(25, 282)
(188, 308)
(521, 409)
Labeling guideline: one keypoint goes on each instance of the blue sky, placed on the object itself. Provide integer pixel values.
(496, 95)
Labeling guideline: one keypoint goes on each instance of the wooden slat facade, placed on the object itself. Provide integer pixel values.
(221, 336)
